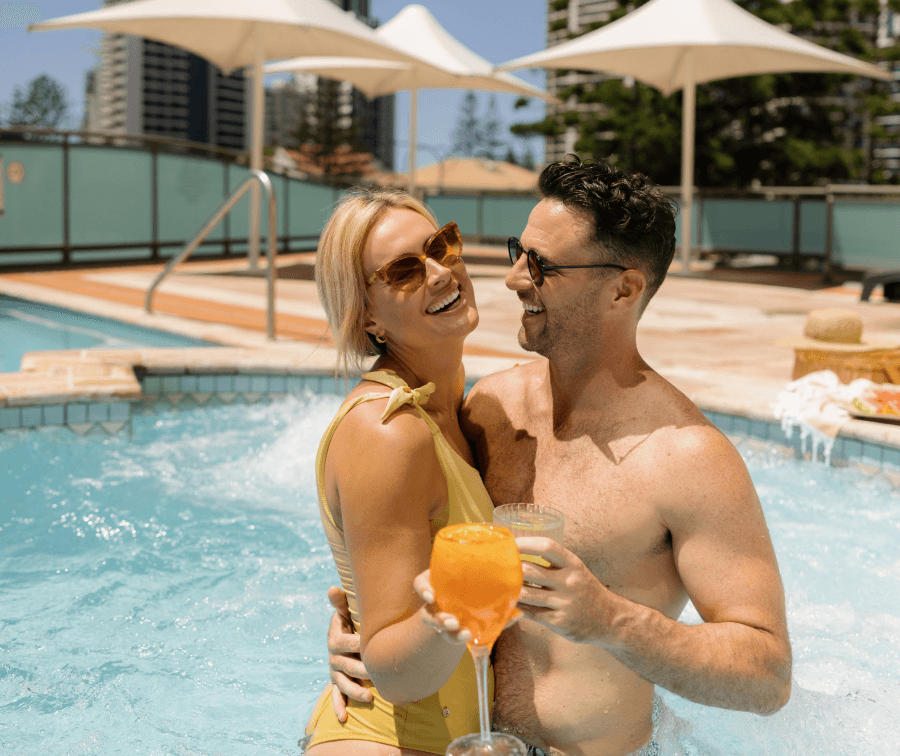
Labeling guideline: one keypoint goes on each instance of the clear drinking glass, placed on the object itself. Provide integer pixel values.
(528, 519)
(476, 575)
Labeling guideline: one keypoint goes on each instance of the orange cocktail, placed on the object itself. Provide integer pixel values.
(476, 574)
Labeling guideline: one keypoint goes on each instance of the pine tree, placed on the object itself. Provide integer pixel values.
(324, 130)
(468, 135)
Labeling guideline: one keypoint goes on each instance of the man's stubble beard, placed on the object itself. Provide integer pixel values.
(562, 333)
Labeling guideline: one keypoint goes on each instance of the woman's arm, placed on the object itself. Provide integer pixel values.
(389, 484)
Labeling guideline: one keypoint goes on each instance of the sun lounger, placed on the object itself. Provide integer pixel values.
(890, 281)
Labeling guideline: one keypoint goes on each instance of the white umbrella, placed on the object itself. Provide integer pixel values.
(440, 62)
(237, 33)
(677, 44)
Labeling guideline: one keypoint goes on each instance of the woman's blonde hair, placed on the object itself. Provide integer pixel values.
(339, 271)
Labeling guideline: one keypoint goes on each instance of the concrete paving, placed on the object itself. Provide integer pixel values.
(712, 333)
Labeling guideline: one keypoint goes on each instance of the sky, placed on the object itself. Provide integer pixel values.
(497, 30)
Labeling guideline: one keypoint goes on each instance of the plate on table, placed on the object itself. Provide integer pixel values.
(880, 403)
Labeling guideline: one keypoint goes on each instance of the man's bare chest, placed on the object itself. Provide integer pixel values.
(612, 523)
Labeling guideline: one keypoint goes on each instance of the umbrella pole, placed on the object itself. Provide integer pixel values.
(256, 145)
(413, 115)
(687, 162)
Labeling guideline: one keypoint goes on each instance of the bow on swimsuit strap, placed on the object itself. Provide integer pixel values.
(406, 395)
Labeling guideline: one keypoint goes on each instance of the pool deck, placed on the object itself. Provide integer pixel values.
(711, 333)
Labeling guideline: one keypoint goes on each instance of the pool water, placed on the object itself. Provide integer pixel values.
(31, 327)
(165, 594)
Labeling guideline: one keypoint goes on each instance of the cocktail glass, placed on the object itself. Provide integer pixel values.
(476, 575)
(528, 519)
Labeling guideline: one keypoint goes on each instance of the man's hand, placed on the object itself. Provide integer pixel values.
(345, 665)
(570, 601)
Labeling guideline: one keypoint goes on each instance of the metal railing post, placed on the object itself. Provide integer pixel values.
(256, 178)
(828, 262)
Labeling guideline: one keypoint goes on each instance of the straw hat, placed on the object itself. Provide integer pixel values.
(838, 330)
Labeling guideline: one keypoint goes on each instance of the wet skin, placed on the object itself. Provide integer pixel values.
(659, 508)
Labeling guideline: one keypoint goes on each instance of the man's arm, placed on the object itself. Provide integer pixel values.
(344, 663)
(739, 657)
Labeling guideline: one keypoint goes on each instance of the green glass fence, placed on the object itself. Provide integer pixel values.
(85, 202)
(866, 234)
(189, 190)
(81, 202)
(34, 212)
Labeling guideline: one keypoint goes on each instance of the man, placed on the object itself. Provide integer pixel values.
(659, 505)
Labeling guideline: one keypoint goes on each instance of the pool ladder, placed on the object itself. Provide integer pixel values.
(223, 209)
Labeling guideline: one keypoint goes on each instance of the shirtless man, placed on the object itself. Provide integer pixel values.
(659, 505)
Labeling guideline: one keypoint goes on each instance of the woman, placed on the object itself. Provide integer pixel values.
(394, 467)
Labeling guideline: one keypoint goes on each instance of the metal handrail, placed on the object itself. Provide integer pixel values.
(223, 209)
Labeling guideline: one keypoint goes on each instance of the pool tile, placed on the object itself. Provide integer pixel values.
(171, 384)
(113, 428)
(871, 454)
(206, 384)
(119, 412)
(295, 384)
(82, 429)
(10, 417)
(189, 384)
(224, 384)
(151, 385)
(162, 405)
(277, 385)
(740, 426)
(259, 384)
(54, 414)
(242, 383)
(852, 449)
(838, 451)
(31, 417)
(98, 413)
(890, 457)
(76, 413)
(759, 429)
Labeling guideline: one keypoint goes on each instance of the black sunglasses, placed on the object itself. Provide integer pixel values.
(536, 266)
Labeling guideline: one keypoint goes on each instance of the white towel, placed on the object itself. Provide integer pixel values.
(819, 404)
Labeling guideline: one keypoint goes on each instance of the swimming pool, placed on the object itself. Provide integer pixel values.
(165, 593)
(30, 327)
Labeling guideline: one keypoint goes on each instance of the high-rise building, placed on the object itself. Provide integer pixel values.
(147, 87)
(568, 17)
(886, 151)
(565, 17)
(373, 119)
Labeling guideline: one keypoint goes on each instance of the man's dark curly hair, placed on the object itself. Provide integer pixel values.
(633, 220)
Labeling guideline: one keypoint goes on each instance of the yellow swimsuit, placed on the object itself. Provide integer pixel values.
(431, 723)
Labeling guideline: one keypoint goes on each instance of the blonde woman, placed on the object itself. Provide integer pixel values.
(394, 467)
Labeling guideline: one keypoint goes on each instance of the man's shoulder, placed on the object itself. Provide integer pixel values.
(680, 426)
(513, 381)
(499, 395)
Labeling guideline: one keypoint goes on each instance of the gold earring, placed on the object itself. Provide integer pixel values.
(380, 339)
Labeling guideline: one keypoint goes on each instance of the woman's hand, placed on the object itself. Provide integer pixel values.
(445, 625)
